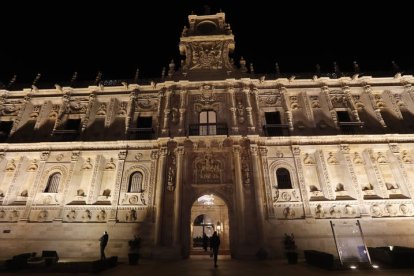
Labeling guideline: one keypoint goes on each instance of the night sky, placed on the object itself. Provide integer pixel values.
(57, 38)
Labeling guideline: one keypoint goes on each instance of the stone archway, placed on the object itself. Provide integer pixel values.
(209, 213)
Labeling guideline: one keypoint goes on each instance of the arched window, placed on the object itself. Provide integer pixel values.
(135, 183)
(283, 179)
(208, 122)
(53, 183)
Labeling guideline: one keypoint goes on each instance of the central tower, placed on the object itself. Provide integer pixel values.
(206, 45)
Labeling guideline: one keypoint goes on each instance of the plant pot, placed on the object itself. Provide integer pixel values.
(133, 258)
(292, 257)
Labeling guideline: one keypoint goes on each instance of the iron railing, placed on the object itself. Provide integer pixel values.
(208, 129)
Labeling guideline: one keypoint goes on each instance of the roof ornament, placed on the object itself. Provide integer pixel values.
(163, 73)
(136, 76)
(171, 69)
(396, 69)
(356, 70)
(277, 67)
(12, 81)
(73, 79)
(34, 87)
(337, 72)
(98, 78)
(243, 65)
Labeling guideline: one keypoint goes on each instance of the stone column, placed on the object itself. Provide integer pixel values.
(351, 102)
(95, 187)
(110, 112)
(92, 98)
(258, 184)
(159, 194)
(165, 130)
(301, 179)
(377, 110)
(74, 159)
(332, 111)
(117, 190)
(374, 173)
(62, 110)
(130, 111)
(345, 150)
(12, 191)
(20, 114)
(257, 106)
(267, 186)
(177, 196)
(182, 109)
(403, 171)
(251, 128)
(239, 194)
(286, 106)
(323, 175)
(234, 127)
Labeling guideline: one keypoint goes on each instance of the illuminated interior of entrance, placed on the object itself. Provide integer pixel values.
(209, 213)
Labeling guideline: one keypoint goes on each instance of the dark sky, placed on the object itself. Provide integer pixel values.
(57, 38)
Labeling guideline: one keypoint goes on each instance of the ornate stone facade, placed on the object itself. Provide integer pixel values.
(285, 155)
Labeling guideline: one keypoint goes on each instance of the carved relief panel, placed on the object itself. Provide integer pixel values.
(206, 55)
(210, 168)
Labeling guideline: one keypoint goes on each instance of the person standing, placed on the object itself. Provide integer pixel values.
(205, 242)
(214, 245)
(104, 242)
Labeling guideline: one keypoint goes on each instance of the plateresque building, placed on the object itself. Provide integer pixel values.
(209, 146)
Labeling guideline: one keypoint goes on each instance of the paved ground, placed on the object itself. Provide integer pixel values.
(203, 266)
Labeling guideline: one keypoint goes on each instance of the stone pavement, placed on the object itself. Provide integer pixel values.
(203, 266)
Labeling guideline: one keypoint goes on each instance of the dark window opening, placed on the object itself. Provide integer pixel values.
(144, 122)
(274, 126)
(283, 179)
(73, 124)
(343, 116)
(143, 129)
(347, 124)
(5, 128)
(273, 118)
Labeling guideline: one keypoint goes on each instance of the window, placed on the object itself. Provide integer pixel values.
(5, 128)
(273, 118)
(273, 125)
(53, 183)
(144, 122)
(347, 123)
(135, 183)
(283, 179)
(73, 124)
(343, 116)
(208, 120)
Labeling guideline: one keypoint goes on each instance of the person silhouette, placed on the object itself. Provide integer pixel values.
(205, 241)
(214, 246)
(104, 242)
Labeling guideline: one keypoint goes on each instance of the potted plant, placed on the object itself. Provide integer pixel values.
(290, 248)
(134, 246)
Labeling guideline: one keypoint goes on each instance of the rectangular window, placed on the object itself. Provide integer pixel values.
(5, 128)
(273, 118)
(144, 122)
(343, 116)
(73, 124)
(208, 122)
(273, 125)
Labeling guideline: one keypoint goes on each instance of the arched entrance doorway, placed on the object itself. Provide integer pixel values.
(209, 213)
